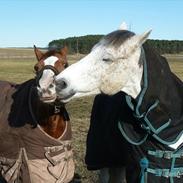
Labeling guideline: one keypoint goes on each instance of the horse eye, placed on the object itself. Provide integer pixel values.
(66, 65)
(36, 68)
(106, 59)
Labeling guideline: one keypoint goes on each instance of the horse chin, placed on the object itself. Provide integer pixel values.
(50, 99)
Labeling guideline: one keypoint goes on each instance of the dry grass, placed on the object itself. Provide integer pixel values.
(176, 64)
(18, 69)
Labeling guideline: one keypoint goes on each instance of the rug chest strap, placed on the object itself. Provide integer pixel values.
(170, 172)
(165, 154)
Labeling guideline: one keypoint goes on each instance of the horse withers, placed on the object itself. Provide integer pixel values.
(153, 120)
(35, 130)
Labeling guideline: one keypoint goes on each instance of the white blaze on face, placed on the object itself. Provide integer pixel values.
(47, 79)
(48, 75)
(46, 88)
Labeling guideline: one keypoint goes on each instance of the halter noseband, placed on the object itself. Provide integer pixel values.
(58, 107)
(40, 73)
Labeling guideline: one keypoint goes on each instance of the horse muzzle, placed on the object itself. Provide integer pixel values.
(64, 92)
(46, 95)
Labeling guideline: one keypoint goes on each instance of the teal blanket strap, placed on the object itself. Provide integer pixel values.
(167, 173)
(141, 141)
(165, 154)
(144, 163)
(172, 169)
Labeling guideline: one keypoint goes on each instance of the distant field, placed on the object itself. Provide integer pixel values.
(176, 64)
(16, 65)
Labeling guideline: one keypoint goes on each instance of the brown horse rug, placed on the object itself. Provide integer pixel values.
(29, 154)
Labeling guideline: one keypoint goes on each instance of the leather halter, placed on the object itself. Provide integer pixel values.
(40, 73)
(57, 105)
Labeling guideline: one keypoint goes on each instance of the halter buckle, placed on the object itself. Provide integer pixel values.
(57, 109)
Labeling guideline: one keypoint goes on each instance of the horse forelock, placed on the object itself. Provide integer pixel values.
(115, 38)
(118, 37)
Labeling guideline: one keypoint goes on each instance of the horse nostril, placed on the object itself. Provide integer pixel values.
(43, 90)
(61, 84)
(51, 86)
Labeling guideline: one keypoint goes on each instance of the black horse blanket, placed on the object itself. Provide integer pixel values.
(157, 123)
(29, 154)
(149, 123)
(105, 145)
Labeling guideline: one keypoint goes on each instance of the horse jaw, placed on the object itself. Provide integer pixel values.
(115, 79)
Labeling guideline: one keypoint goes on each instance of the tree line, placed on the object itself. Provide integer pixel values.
(84, 44)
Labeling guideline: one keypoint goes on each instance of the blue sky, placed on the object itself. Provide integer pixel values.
(27, 22)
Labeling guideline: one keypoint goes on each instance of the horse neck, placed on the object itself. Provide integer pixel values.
(52, 123)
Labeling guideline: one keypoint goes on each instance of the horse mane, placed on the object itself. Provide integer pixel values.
(116, 38)
(19, 114)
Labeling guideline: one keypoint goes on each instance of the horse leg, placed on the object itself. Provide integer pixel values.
(104, 175)
(117, 175)
(2, 180)
(112, 175)
(76, 178)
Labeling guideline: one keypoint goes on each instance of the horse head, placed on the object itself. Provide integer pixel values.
(49, 64)
(113, 65)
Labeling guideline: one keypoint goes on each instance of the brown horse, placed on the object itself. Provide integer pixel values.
(55, 123)
(35, 131)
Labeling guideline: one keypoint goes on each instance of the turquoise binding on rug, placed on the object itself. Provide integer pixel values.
(144, 163)
(145, 123)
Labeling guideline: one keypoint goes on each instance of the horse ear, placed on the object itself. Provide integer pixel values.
(38, 53)
(123, 26)
(64, 51)
(139, 40)
(143, 37)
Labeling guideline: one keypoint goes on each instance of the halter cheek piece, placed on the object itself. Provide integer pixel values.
(40, 73)
(58, 106)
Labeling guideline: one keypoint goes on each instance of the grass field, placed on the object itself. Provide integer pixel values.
(16, 65)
